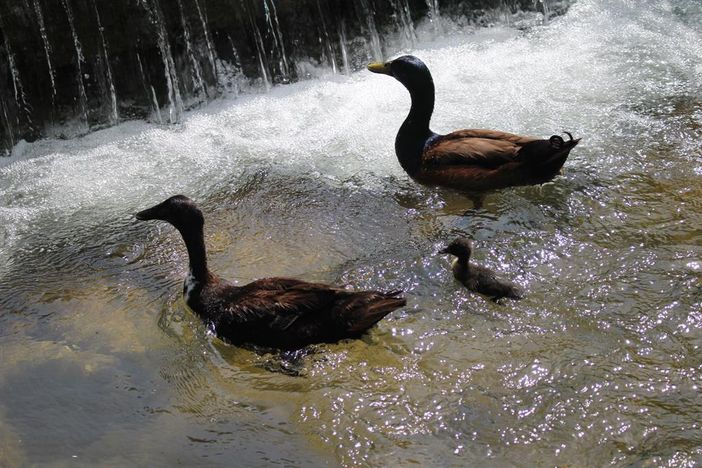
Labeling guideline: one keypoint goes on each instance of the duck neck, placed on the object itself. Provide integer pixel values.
(462, 265)
(414, 132)
(197, 254)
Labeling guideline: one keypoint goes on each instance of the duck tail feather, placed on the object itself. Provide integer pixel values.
(376, 310)
(393, 293)
(562, 148)
(549, 152)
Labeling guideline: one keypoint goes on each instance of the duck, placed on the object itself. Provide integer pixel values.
(472, 160)
(280, 313)
(478, 278)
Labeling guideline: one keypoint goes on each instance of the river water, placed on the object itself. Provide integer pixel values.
(101, 363)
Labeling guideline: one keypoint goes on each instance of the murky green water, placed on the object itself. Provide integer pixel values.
(102, 364)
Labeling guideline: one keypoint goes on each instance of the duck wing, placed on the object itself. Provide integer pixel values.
(483, 148)
(289, 313)
(279, 302)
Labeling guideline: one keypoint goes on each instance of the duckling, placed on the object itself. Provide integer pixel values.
(478, 278)
(473, 160)
(281, 313)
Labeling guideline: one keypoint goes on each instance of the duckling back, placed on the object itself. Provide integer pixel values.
(484, 281)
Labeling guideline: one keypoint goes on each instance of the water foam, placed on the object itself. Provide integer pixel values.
(584, 72)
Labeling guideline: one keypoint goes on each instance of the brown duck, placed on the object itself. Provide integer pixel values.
(467, 160)
(479, 278)
(279, 313)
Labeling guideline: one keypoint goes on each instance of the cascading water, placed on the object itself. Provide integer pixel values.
(101, 363)
(375, 47)
(83, 98)
(197, 80)
(329, 50)
(342, 48)
(113, 113)
(273, 26)
(260, 52)
(208, 41)
(264, 41)
(175, 102)
(47, 47)
(405, 21)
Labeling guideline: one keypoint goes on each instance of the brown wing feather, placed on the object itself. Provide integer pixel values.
(288, 313)
(520, 140)
(480, 160)
(280, 301)
(483, 148)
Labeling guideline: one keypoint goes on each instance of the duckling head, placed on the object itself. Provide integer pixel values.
(179, 210)
(461, 248)
(408, 70)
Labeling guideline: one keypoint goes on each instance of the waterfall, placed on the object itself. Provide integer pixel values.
(18, 90)
(433, 6)
(327, 42)
(198, 82)
(114, 114)
(157, 109)
(47, 47)
(79, 65)
(342, 46)
(150, 92)
(208, 41)
(405, 21)
(544, 8)
(153, 59)
(260, 52)
(434, 16)
(274, 29)
(7, 123)
(175, 103)
(375, 47)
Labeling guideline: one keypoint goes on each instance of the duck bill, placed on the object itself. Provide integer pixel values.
(382, 68)
(444, 251)
(149, 213)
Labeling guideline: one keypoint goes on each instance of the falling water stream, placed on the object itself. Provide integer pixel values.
(101, 363)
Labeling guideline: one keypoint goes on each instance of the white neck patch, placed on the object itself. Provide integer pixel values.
(189, 286)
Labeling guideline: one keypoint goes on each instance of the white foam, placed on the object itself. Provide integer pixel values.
(580, 73)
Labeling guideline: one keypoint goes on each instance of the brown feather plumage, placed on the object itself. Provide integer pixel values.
(481, 160)
(282, 313)
(473, 160)
(287, 313)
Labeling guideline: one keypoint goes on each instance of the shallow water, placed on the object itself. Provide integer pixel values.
(101, 362)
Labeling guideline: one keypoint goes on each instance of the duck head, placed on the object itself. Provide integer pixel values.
(179, 210)
(461, 248)
(408, 70)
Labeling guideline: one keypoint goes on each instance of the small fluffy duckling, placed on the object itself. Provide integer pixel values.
(478, 278)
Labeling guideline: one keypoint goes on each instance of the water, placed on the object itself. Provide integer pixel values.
(197, 81)
(175, 101)
(375, 45)
(47, 47)
(114, 113)
(189, 60)
(101, 363)
(210, 50)
(79, 64)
